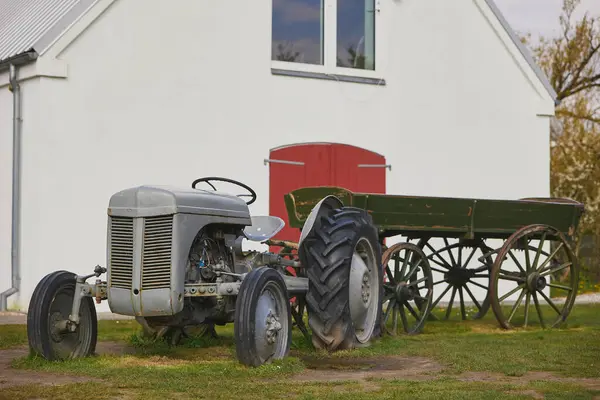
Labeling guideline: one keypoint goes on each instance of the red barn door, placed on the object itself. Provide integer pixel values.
(320, 164)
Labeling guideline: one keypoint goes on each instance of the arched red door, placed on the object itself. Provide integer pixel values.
(320, 164)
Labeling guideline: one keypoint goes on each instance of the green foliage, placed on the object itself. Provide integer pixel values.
(588, 280)
(571, 60)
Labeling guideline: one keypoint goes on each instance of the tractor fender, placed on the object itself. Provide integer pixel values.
(327, 203)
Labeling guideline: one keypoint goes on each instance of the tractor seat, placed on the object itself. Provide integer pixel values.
(263, 227)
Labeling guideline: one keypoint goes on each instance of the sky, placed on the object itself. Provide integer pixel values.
(540, 17)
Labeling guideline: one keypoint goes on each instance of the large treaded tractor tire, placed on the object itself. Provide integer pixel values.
(51, 303)
(342, 256)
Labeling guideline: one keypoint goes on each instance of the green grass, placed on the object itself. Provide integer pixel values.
(12, 335)
(228, 388)
(571, 350)
(207, 368)
(16, 335)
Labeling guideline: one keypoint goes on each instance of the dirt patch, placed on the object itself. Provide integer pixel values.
(361, 370)
(416, 368)
(152, 361)
(14, 377)
(588, 383)
(12, 318)
(391, 367)
(492, 329)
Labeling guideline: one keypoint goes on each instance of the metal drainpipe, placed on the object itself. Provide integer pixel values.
(16, 191)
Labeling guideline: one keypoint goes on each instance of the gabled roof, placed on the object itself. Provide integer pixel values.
(29, 26)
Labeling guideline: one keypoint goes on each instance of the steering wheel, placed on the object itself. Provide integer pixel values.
(214, 178)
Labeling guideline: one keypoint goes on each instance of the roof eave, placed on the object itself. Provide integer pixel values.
(62, 25)
(18, 59)
(524, 51)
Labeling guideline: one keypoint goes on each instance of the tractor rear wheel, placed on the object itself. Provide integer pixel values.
(48, 315)
(342, 256)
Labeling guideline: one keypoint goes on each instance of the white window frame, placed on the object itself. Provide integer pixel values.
(329, 67)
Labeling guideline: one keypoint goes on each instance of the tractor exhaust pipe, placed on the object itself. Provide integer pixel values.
(16, 191)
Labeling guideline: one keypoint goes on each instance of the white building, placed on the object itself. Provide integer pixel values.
(118, 93)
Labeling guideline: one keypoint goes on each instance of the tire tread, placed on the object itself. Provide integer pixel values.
(327, 254)
(38, 316)
(243, 320)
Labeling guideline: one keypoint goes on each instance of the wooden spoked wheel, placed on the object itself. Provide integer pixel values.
(462, 268)
(408, 288)
(535, 264)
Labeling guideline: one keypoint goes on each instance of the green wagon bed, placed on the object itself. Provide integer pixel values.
(446, 249)
(417, 216)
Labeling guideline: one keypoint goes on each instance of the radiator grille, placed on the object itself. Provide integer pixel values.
(121, 252)
(156, 261)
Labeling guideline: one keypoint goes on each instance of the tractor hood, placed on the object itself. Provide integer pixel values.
(146, 200)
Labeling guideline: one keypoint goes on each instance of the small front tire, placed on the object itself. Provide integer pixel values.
(262, 325)
(49, 309)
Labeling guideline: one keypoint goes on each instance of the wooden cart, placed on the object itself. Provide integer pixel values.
(480, 253)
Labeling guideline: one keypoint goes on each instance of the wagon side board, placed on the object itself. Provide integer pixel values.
(419, 216)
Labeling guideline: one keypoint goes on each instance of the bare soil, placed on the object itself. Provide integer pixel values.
(391, 367)
(416, 368)
(12, 377)
(15, 377)
(589, 383)
(362, 369)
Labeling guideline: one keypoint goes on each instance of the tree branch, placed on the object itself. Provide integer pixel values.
(571, 114)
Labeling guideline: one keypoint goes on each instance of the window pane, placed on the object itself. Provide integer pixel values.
(356, 34)
(297, 31)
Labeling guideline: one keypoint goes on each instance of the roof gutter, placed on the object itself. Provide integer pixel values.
(15, 88)
(19, 59)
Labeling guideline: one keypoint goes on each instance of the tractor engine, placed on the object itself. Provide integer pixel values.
(161, 239)
(210, 259)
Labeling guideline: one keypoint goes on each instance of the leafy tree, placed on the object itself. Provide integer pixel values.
(572, 62)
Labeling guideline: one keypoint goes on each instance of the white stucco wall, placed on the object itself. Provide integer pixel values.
(30, 219)
(5, 185)
(164, 94)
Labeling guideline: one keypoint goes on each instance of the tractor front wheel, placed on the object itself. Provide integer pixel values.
(262, 324)
(48, 316)
(342, 256)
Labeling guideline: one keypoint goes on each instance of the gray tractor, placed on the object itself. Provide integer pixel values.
(175, 262)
